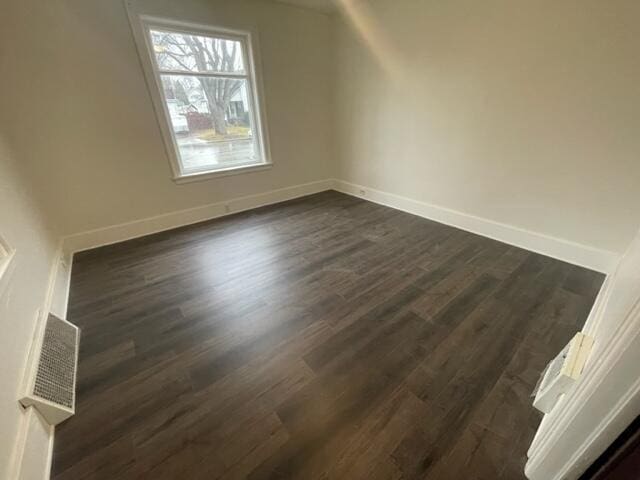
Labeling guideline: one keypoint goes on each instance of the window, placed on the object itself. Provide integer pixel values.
(205, 94)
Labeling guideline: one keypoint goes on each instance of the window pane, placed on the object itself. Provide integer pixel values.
(211, 120)
(195, 53)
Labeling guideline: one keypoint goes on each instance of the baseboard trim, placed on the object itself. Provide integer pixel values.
(147, 226)
(56, 300)
(601, 403)
(575, 253)
(565, 250)
(568, 251)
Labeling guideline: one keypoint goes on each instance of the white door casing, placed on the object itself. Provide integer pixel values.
(606, 398)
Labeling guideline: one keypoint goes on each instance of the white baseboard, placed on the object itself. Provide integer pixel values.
(568, 251)
(34, 444)
(572, 252)
(602, 403)
(168, 221)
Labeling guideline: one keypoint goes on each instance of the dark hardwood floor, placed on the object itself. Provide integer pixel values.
(321, 338)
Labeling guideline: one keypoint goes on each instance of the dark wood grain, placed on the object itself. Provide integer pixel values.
(322, 338)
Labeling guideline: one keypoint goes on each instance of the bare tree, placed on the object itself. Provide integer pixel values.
(193, 53)
(181, 92)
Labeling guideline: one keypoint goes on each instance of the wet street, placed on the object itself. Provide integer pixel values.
(197, 154)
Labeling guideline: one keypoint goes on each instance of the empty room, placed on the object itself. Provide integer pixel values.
(320, 239)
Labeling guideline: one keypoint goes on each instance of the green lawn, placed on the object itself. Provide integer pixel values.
(233, 132)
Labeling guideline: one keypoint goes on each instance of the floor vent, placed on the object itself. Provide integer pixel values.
(52, 377)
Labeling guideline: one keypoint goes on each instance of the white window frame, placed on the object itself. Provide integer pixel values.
(142, 26)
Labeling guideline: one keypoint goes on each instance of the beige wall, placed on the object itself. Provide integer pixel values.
(521, 112)
(23, 290)
(82, 114)
(79, 141)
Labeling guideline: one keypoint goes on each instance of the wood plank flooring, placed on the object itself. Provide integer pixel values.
(322, 338)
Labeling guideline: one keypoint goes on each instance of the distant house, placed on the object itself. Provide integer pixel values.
(178, 119)
(195, 116)
(237, 112)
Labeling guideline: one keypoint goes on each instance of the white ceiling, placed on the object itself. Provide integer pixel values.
(325, 6)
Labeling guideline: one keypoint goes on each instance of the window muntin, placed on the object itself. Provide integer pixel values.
(208, 90)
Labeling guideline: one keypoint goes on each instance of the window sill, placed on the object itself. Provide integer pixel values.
(208, 175)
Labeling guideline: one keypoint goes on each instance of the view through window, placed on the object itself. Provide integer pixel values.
(208, 91)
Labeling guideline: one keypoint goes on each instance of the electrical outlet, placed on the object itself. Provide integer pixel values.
(363, 191)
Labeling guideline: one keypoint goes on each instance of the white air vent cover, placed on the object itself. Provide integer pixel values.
(52, 378)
